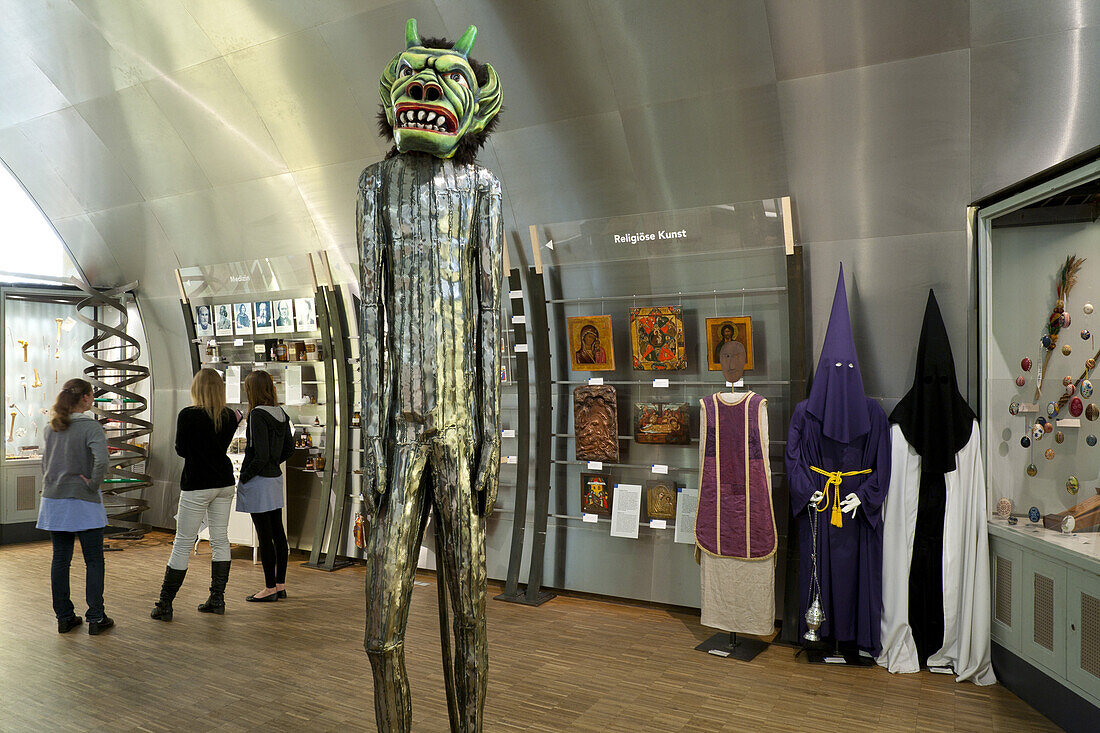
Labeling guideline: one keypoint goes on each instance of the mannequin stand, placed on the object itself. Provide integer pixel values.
(728, 645)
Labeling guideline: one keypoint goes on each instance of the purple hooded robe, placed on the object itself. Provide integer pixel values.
(840, 429)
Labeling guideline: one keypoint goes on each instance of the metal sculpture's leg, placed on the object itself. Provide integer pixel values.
(392, 551)
(460, 542)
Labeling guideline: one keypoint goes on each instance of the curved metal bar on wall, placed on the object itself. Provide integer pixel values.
(112, 355)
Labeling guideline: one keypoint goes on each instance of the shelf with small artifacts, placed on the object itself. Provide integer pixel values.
(278, 315)
(633, 314)
(41, 350)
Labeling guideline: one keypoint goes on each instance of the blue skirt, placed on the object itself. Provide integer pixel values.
(260, 494)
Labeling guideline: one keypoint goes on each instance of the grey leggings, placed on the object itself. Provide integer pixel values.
(215, 505)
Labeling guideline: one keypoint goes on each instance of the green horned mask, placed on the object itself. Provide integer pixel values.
(438, 100)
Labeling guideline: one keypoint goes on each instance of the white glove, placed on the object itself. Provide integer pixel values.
(850, 504)
(816, 498)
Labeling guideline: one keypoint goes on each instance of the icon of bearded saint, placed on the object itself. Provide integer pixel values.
(430, 357)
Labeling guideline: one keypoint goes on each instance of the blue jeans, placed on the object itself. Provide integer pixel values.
(91, 545)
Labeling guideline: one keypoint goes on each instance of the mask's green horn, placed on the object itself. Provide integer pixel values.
(412, 38)
(466, 42)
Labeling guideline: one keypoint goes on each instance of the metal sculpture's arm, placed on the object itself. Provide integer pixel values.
(370, 238)
(490, 261)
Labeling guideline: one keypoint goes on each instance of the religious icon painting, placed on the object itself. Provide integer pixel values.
(223, 319)
(242, 319)
(660, 499)
(660, 423)
(657, 338)
(590, 347)
(595, 494)
(596, 424)
(283, 313)
(721, 331)
(263, 322)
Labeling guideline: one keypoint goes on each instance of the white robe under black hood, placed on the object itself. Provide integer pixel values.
(935, 570)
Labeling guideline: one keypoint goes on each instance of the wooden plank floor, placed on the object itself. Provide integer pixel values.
(298, 665)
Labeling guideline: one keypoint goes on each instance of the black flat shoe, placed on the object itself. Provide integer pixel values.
(281, 593)
(66, 625)
(264, 599)
(98, 627)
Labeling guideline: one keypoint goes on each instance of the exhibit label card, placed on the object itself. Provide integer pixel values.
(627, 510)
(233, 384)
(294, 385)
(590, 518)
(687, 505)
(658, 524)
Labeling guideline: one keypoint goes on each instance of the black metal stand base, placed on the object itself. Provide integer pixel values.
(340, 562)
(733, 647)
(521, 598)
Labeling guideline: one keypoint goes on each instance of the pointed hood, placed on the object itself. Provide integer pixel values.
(836, 398)
(933, 415)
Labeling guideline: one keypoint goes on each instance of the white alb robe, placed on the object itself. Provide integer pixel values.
(966, 588)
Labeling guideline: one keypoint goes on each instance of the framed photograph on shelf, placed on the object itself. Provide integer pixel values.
(264, 322)
(223, 319)
(721, 331)
(662, 423)
(305, 314)
(590, 346)
(595, 494)
(657, 338)
(284, 315)
(204, 321)
(660, 499)
(242, 319)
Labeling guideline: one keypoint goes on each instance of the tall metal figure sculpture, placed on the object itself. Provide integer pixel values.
(430, 238)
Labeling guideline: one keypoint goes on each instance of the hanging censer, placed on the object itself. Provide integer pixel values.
(815, 616)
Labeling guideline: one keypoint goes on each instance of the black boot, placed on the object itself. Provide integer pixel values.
(173, 579)
(219, 576)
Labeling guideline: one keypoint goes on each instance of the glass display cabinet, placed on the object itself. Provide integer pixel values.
(1038, 295)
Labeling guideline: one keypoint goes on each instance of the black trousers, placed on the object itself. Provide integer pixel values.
(273, 546)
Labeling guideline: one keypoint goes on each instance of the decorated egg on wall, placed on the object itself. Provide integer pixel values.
(1086, 389)
(1070, 389)
(1033, 514)
(1067, 349)
(1086, 334)
(1087, 308)
(1025, 442)
(1052, 408)
(1048, 426)
(1032, 469)
(1014, 408)
(1049, 454)
(1037, 431)
(1091, 440)
(1072, 485)
(1090, 363)
(1076, 407)
(1048, 342)
(1059, 437)
(1025, 364)
(1004, 507)
(1092, 411)
(1066, 320)
(1020, 381)
(1067, 380)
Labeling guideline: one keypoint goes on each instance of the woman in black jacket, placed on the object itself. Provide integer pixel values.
(204, 431)
(260, 491)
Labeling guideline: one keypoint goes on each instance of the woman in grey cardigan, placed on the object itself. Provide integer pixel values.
(74, 464)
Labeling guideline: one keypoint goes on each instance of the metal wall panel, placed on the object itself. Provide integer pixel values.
(87, 247)
(25, 92)
(217, 122)
(684, 154)
(888, 309)
(833, 35)
(30, 165)
(881, 150)
(996, 21)
(144, 143)
(1036, 102)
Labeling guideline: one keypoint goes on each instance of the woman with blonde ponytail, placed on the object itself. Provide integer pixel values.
(74, 464)
(204, 431)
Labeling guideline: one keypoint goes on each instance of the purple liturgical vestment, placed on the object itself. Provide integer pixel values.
(839, 429)
(735, 517)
